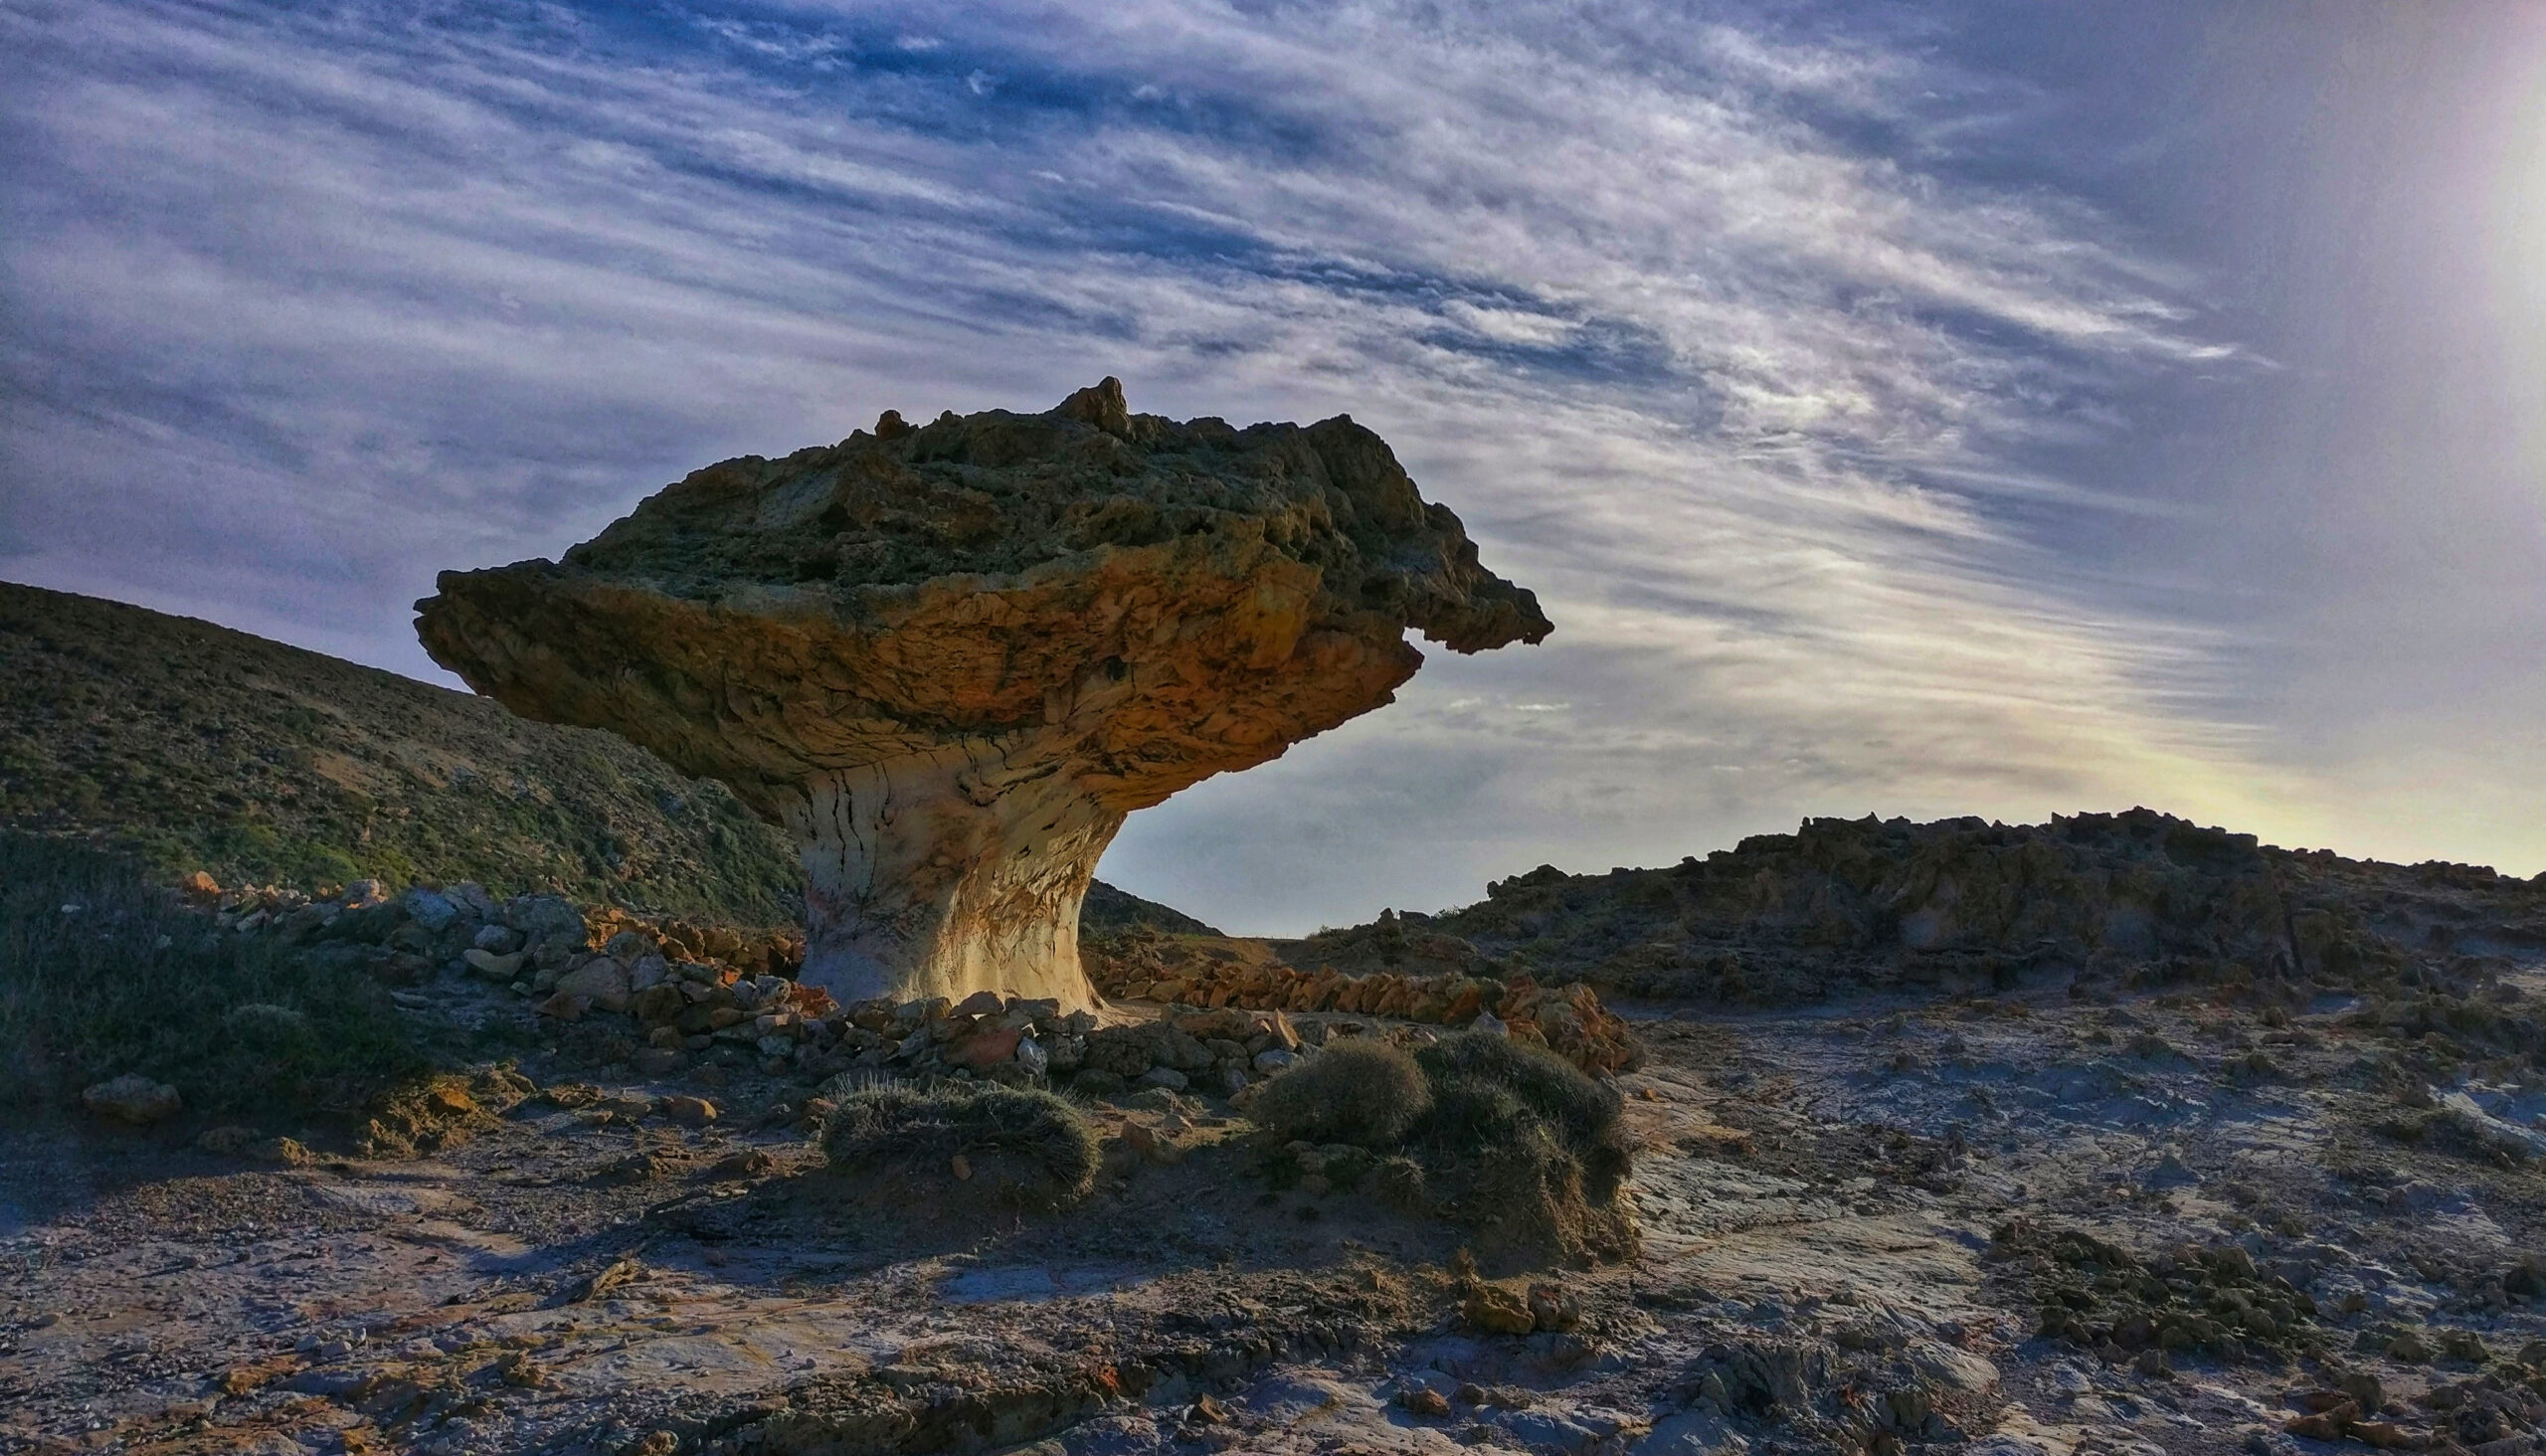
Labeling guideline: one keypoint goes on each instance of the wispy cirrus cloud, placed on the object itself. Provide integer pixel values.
(1708, 330)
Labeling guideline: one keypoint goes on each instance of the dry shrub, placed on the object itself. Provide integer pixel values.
(1511, 1141)
(1489, 1092)
(1363, 1092)
(1020, 1145)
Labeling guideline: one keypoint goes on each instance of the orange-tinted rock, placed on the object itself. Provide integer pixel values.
(986, 1049)
(952, 658)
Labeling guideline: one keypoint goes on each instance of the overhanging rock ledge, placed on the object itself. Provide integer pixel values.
(951, 658)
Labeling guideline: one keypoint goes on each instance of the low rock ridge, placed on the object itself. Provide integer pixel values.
(1842, 906)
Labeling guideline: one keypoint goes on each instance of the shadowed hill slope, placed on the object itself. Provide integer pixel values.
(195, 746)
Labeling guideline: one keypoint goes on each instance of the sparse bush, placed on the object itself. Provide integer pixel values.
(1488, 1091)
(1021, 1142)
(102, 972)
(1510, 1141)
(1364, 1092)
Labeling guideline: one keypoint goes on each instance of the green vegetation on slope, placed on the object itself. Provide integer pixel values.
(191, 746)
(103, 974)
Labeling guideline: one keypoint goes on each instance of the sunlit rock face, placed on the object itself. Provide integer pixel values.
(951, 658)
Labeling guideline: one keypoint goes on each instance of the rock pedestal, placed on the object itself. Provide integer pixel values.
(925, 875)
(952, 658)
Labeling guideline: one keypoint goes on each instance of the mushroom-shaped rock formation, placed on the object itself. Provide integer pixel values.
(950, 659)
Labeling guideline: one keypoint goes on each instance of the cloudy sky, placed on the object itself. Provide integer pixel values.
(1976, 408)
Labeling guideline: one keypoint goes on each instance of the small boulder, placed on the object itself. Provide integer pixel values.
(431, 909)
(565, 1006)
(1554, 1307)
(982, 1004)
(132, 1098)
(489, 964)
(1155, 1145)
(286, 1151)
(200, 887)
(497, 938)
(1496, 1311)
(986, 1049)
(602, 979)
(1032, 1056)
(1424, 1400)
(650, 971)
(749, 1163)
(691, 1112)
(1167, 1077)
(658, 1004)
(229, 1140)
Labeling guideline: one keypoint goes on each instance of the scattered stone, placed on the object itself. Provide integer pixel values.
(565, 1006)
(749, 1163)
(1554, 1307)
(286, 1151)
(691, 1112)
(1153, 1146)
(132, 1098)
(602, 983)
(229, 1140)
(1497, 1309)
(642, 1166)
(619, 1275)
(986, 1049)
(431, 909)
(490, 964)
(1424, 1400)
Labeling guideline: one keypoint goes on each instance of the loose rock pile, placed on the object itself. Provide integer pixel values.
(1567, 1019)
(663, 994)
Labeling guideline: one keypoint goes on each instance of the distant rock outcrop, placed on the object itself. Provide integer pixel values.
(1844, 905)
(950, 659)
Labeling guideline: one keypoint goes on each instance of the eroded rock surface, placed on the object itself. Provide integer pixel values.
(952, 658)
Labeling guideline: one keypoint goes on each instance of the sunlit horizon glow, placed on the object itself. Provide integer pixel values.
(1982, 414)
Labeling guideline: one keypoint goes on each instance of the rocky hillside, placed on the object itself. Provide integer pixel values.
(199, 747)
(1842, 905)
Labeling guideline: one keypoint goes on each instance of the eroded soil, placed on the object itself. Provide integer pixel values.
(1850, 1216)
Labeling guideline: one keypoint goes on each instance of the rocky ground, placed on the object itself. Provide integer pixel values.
(2023, 1222)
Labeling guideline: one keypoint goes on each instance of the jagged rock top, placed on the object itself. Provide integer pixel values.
(1177, 598)
(997, 494)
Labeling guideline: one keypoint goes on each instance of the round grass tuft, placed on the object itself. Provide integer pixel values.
(895, 1125)
(1363, 1092)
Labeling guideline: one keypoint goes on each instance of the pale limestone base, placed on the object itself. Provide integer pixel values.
(945, 873)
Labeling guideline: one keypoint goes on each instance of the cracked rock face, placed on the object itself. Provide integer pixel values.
(952, 657)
